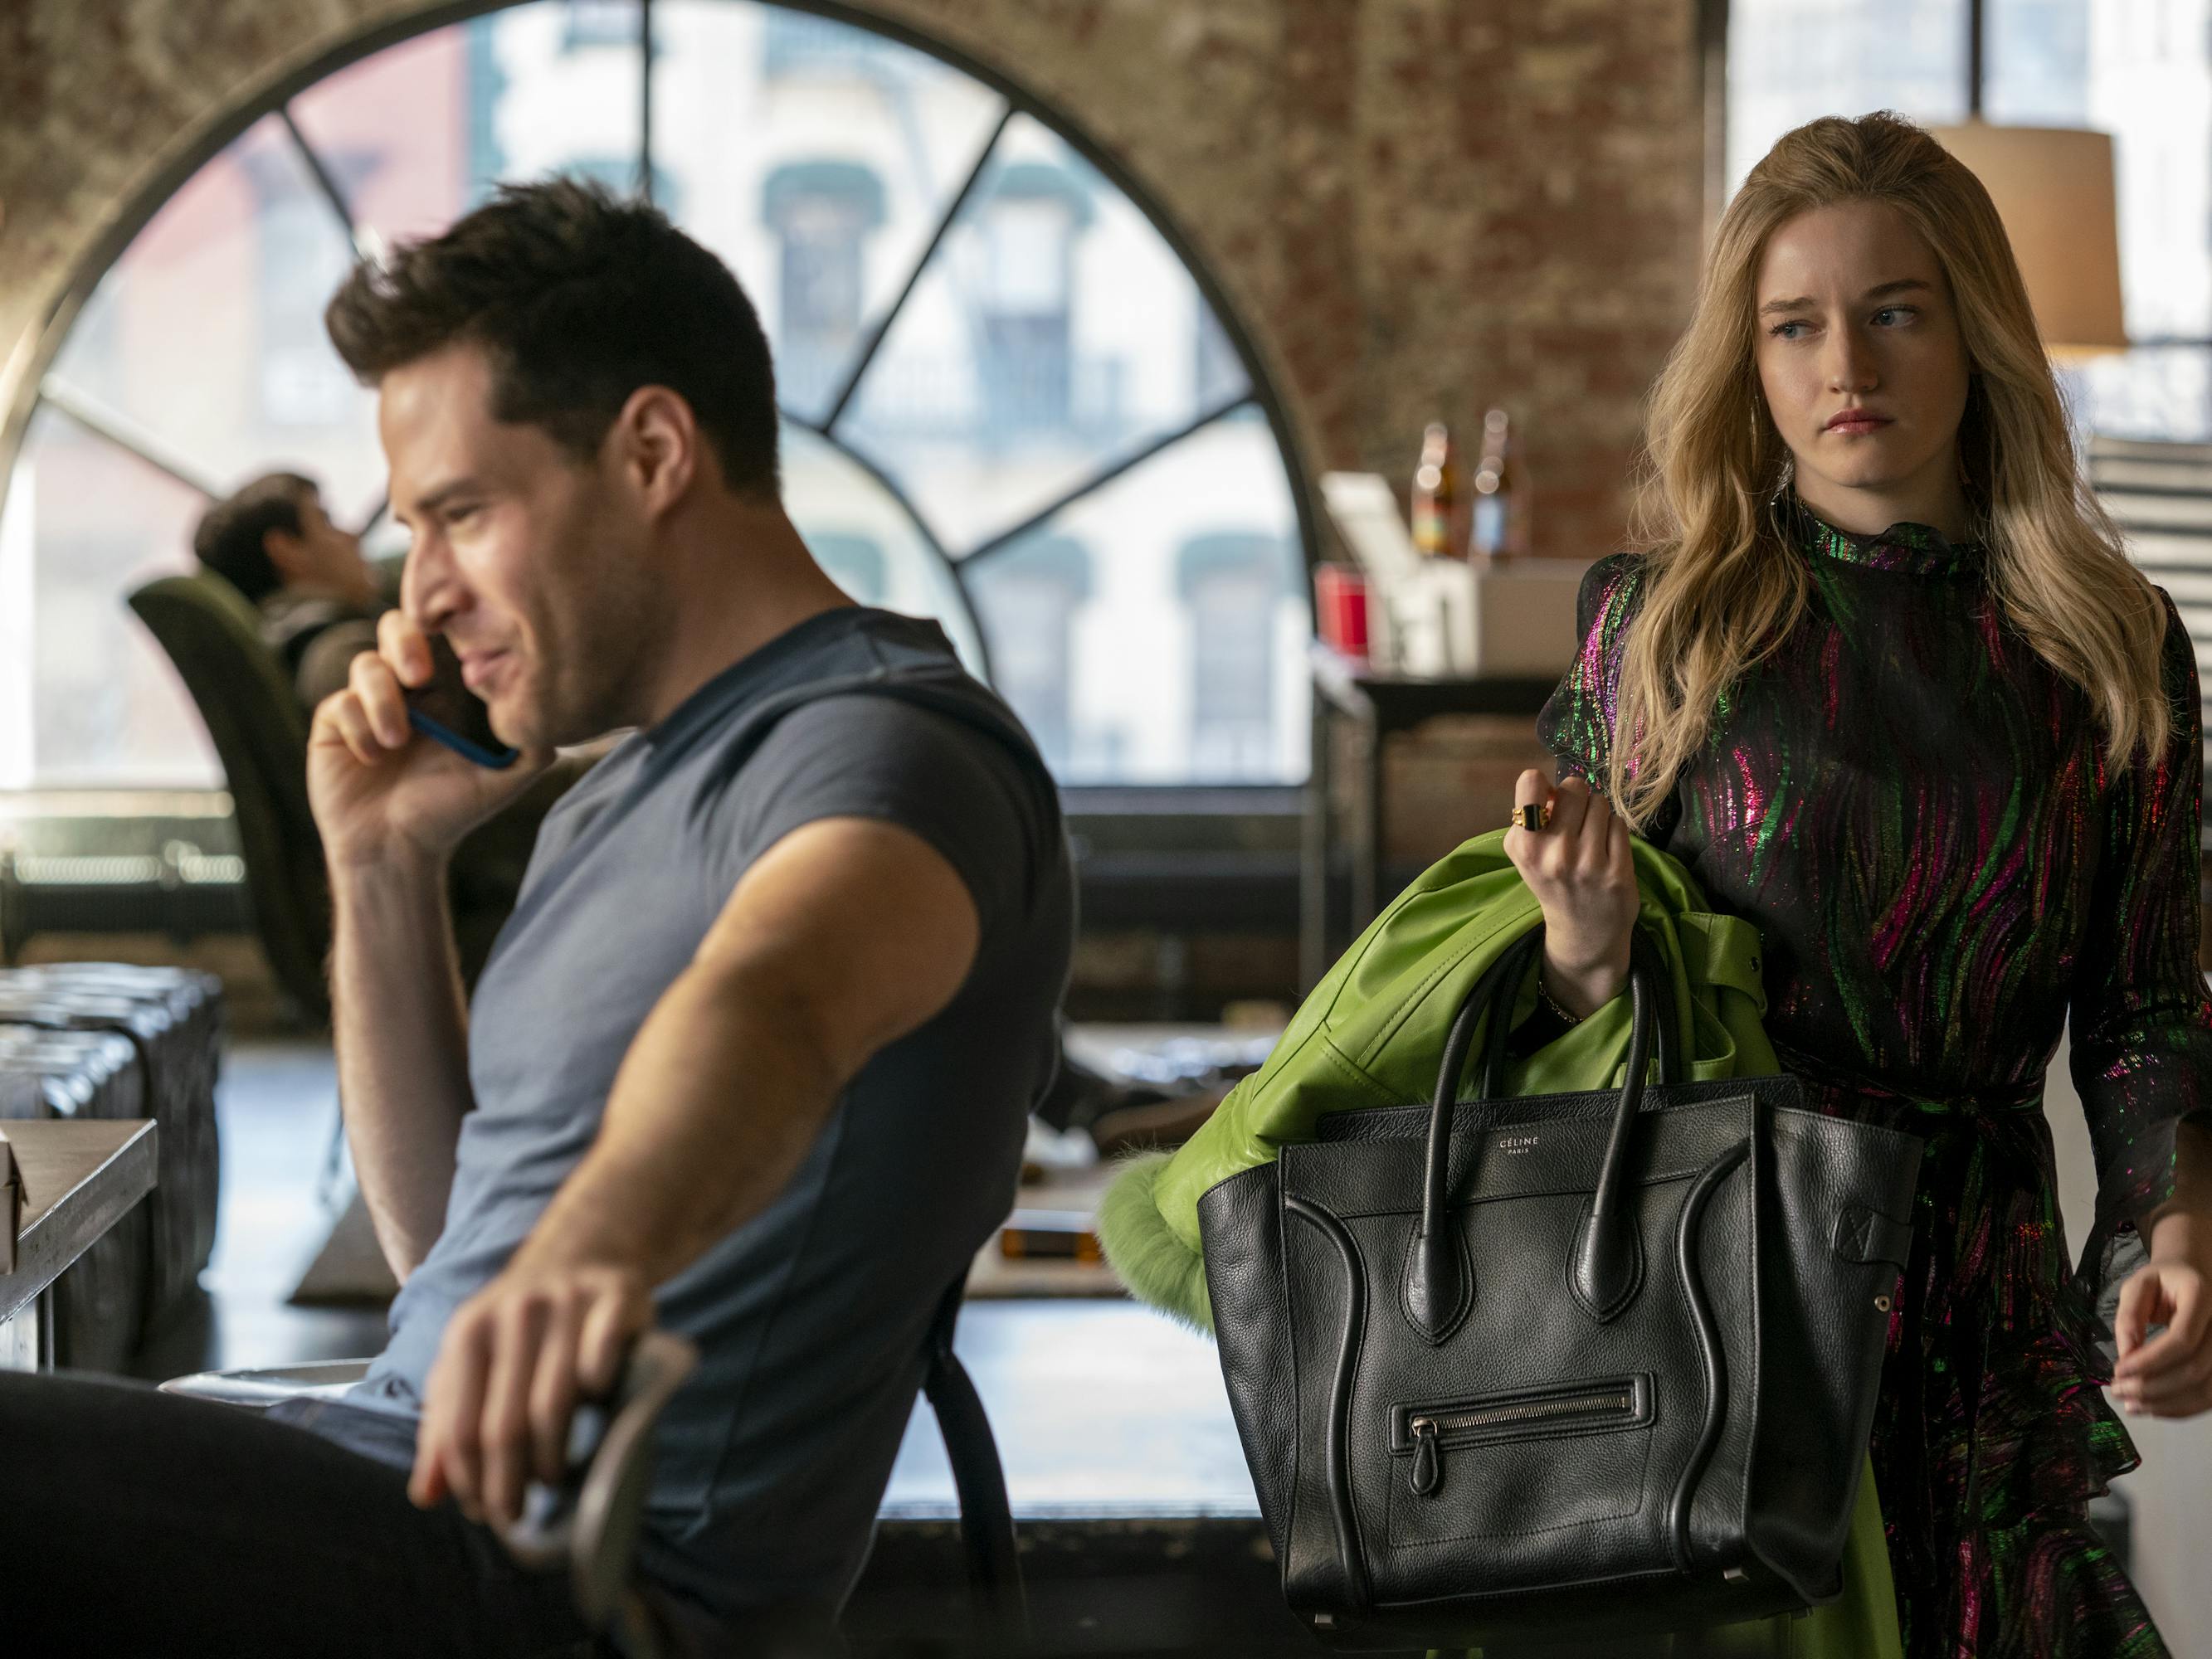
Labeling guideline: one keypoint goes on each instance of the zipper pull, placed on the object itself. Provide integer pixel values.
(1426, 1471)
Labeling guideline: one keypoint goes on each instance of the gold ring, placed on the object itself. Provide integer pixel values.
(1531, 816)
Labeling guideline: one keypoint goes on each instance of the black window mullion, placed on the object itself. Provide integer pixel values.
(1977, 64)
(83, 415)
(882, 326)
(1100, 479)
(325, 181)
(645, 100)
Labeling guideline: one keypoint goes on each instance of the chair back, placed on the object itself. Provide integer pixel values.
(213, 636)
(986, 1516)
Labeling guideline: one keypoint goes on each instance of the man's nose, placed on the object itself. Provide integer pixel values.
(428, 591)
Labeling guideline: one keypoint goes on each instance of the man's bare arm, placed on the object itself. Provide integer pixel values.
(392, 807)
(401, 1027)
(843, 937)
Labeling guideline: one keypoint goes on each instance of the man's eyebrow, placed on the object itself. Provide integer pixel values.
(437, 497)
(1881, 291)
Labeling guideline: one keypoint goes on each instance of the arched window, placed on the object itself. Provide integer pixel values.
(1010, 396)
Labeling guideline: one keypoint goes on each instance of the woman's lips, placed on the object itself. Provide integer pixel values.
(1856, 422)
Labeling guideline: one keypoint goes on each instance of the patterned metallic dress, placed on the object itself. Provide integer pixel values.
(1917, 813)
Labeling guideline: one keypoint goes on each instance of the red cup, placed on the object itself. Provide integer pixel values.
(1340, 609)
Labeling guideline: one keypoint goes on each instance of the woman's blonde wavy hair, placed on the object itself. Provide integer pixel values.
(1722, 591)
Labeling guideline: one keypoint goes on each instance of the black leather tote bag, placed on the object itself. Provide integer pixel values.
(1574, 1365)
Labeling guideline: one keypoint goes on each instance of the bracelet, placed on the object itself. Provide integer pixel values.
(1557, 1013)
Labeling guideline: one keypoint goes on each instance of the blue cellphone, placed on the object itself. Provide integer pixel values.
(446, 711)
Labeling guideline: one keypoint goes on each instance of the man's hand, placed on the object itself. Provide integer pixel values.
(379, 789)
(516, 1358)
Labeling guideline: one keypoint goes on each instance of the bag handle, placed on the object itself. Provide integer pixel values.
(1607, 1265)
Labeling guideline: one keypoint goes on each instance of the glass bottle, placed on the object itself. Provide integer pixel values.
(1437, 515)
(1500, 516)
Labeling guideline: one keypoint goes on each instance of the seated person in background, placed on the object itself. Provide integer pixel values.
(318, 599)
(753, 1059)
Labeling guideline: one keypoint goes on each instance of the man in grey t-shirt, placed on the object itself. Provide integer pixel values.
(751, 1060)
(811, 1311)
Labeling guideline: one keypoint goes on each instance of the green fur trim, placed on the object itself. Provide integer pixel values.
(1156, 1267)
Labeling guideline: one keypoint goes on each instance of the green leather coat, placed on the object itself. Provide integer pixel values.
(1372, 1031)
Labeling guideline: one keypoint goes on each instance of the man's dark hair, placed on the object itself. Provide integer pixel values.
(233, 536)
(577, 299)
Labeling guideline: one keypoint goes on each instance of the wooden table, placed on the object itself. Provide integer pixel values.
(1377, 705)
(79, 1179)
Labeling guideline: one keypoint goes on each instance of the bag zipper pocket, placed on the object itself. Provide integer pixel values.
(1425, 1433)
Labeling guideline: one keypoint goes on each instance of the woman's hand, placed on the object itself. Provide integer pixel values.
(2169, 1375)
(1582, 872)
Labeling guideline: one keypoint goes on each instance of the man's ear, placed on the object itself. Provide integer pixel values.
(659, 439)
(288, 552)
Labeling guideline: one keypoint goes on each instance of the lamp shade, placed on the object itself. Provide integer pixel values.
(2053, 188)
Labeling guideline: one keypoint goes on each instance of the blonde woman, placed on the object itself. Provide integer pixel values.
(1882, 678)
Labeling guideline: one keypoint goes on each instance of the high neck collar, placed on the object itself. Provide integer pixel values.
(1917, 549)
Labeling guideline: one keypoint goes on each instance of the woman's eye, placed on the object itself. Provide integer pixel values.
(1781, 331)
(1904, 313)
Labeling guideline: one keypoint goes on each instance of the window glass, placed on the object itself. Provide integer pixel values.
(747, 95)
(1049, 339)
(2035, 70)
(248, 250)
(1150, 645)
(1046, 364)
(86, 695)
(534, 89)
(1230, 583)
(2149, 75)
(1791, 61)
(822, 214)
(589, 23)
(2152, 392)
(1028, 599)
